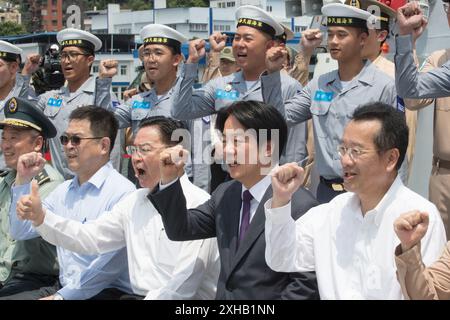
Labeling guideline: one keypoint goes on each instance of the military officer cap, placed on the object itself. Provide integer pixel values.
(251, 16)
(383, 10)
(227, 54)
(78, 38)
(21, 113)
(339, 14)
(9, 52)
(161, 34)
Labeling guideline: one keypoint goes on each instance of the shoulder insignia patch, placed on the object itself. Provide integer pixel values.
(42, 177)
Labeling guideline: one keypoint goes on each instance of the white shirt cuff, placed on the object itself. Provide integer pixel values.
(278, 215)
(164, 186)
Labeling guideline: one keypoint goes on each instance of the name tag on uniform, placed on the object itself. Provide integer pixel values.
(53, 102)
(323, 96)
(227, 95)
(141, 105)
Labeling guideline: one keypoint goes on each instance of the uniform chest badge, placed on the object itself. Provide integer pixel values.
(12, 107)
(228, 87)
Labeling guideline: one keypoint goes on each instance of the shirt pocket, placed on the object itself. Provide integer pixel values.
(223, 98)
(168, 250)
(320, 111)
(53, 107)
(139, 110)
(219, 104)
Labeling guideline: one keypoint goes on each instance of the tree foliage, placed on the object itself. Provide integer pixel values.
(137, 5)
(134, 5)
(145, 4)
(10, 28)
(187, 3)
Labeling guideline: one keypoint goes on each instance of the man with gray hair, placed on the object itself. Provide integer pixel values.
(95, 189)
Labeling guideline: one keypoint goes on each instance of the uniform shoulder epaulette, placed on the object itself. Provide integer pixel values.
(3, 173)
(42, 177)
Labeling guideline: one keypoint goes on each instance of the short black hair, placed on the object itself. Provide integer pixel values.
(255, 115)
(394, 130)
(102, 122)
(89, 53)
(362, 30)
(166, 126)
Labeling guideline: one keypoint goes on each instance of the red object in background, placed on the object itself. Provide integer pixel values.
(385, 48)
(47, 156)
(394, 4)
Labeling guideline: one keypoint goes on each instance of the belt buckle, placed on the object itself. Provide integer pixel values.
(337, 187)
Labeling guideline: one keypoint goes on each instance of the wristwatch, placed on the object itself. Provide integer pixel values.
(57, 296)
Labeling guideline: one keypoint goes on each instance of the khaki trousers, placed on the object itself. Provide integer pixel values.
(439, 194)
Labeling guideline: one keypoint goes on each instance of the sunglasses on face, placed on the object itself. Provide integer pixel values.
(74, 140)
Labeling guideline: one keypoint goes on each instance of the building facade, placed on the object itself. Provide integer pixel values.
(10, 13)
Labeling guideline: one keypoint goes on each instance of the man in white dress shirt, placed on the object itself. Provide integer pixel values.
(159, 268)
(350, 241)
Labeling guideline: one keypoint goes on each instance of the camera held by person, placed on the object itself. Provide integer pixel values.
(49, 76)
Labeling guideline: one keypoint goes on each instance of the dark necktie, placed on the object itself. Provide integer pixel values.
(245, 220)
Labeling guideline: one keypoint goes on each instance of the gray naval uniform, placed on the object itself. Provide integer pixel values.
(220, 92)
(141, 106)
(21, 89)
(413, 84)
(330, 106)
(57, 106)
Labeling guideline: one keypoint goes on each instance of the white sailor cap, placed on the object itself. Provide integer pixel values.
(161, 34)
(9, 52)
(339, 14)
(78, 38)
(384, 11)
(287, 32)
(257, 18)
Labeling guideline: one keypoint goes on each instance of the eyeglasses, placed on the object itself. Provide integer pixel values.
(71, 55)
(156, 54)
(445, 4)
(143, 149)
(74, 140)
(354, 153)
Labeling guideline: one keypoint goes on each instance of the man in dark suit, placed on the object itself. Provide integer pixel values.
(235, 212)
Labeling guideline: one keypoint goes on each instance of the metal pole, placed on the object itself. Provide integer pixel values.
(210, 20)
(154, 15)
